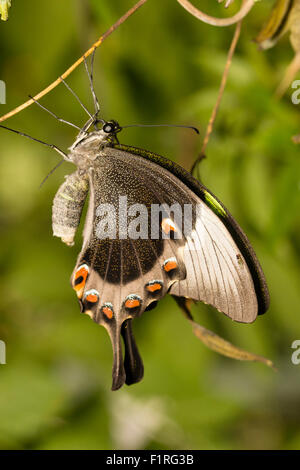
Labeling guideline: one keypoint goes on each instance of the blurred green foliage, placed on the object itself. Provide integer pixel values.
(161, 66)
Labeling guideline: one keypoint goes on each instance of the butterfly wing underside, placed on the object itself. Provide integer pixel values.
(117, 279)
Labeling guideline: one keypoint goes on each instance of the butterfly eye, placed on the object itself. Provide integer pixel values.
(108, 128)
(111, 127)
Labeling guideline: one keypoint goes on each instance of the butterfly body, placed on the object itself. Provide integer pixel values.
(191, 247)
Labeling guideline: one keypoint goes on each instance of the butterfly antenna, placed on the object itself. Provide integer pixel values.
(76, 96)
(52, 146)
(53, 114)
(50, 172)
(163, 125)
(91, 80)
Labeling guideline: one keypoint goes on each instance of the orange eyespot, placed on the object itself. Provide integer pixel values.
(133, 301)
(80, 279)
(168, 226)
(107, 310)
(170, 264)
(154, 286)
(92, 296)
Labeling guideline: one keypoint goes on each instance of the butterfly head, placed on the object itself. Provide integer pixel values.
(89, 144)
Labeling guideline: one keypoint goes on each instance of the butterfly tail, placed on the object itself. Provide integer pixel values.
(118, 371)
(133, 363)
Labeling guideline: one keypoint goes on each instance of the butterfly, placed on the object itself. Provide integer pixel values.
(192, 248)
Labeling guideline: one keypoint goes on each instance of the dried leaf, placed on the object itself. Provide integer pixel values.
(221, 346)
(276, 25)
(285, 17)
(215, 342)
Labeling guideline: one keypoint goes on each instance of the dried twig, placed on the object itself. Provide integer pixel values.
(244, 10)
(220, 94)
(222, 86)
(78, 62)
(227, 3)
(289, 76)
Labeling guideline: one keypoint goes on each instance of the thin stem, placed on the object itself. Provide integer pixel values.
(222, 86)
(289, 76)
(212, 20)
(78, 62)
(220, 94)
(227, 3)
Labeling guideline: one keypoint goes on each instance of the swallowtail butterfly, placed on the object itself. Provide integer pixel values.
(191, 248)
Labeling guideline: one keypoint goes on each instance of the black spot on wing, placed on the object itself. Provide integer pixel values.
(137, 255)
(79, 280)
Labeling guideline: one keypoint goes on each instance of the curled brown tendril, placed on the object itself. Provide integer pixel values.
(244, 10)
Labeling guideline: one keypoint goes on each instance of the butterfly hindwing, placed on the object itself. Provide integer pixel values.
(124, 276)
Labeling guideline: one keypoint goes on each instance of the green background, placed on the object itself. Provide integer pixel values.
(161, 66)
